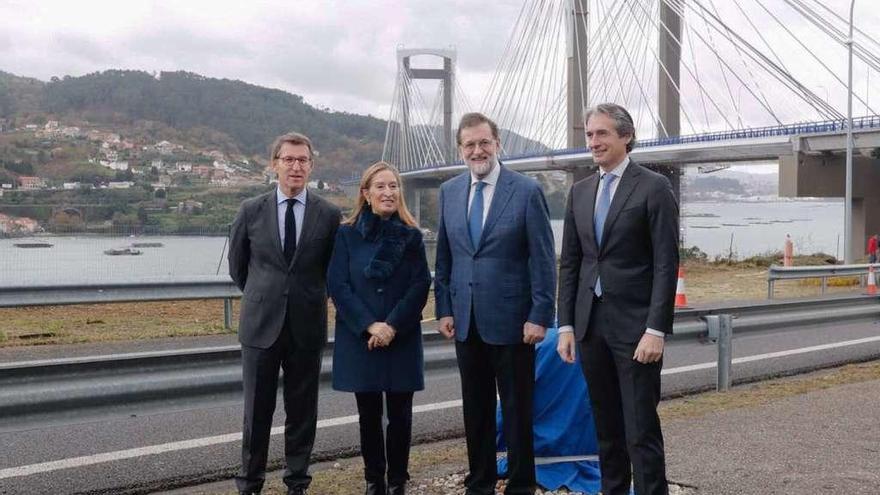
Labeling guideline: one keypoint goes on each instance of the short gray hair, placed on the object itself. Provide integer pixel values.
(623, 121)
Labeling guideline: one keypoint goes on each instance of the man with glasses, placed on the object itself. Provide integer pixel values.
(279, 248)
(494, 287)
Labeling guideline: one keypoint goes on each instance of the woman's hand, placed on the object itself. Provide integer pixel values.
(381, 335)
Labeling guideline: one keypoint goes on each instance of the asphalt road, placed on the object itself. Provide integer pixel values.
(161, 445)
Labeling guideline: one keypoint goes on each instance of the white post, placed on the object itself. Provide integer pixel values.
(848, 248)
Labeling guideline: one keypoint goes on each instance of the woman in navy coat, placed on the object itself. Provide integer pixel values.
(379, 281)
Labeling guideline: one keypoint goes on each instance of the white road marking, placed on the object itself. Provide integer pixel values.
(88, 460)
(73, 462)
(772, 355)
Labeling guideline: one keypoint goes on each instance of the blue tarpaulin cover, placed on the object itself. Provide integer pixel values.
(563, 424)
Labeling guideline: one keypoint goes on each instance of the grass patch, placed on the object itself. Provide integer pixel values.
(763, 393)
(111, 322)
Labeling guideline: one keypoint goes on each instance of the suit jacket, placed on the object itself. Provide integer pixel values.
(378, 272)
(258, 267)
(638, 258)
(509, 278)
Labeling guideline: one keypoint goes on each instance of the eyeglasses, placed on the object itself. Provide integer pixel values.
(483, 143)
(288, 161)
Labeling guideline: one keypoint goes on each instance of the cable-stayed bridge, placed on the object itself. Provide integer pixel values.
(707, 82)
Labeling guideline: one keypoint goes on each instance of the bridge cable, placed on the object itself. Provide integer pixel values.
(771, 68)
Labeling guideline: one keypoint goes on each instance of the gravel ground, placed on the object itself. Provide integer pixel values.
(453, 484)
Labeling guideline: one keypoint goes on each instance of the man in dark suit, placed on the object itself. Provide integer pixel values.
(279, 249)
(617, 278)
(494, 284)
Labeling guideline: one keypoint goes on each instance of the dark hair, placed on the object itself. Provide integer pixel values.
(294, 138)
(623, 121)
(474, 119)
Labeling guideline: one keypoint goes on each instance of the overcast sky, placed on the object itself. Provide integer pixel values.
(335, 53)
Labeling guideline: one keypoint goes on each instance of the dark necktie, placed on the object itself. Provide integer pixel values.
(289, 231)
(600, 215)
(475, 219)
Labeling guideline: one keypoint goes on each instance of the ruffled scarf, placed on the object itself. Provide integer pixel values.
(393, 236)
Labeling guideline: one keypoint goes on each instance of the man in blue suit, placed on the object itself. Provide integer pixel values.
(494, 289)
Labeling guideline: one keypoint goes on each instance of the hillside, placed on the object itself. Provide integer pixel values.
(233, 116)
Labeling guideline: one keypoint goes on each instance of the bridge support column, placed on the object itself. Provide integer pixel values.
(421, 199)
(823, 176)
(668, 95)
(578, 73)
(416, 208)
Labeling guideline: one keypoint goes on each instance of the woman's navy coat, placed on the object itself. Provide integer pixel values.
(378, 272)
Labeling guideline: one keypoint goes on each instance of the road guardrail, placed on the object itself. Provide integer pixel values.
(823, 272)
(72, 384)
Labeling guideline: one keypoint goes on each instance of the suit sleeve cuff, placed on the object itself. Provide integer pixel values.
(566, 329)
(656, 333)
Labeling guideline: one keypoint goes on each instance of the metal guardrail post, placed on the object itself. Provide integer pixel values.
(824, 285)
(227, 313)
(770, 284)
(712, 330)
(725, 352)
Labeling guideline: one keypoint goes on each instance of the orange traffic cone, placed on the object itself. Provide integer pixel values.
(681, 300)
(872, 283)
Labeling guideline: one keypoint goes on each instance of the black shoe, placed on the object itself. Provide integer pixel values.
(245, 492)
(397, 489)
(296, 491)
(375, 488)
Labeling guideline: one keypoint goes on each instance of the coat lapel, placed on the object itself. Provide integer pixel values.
(270, 203)
(587, 204)
(624, 189)
(310, 219)
(503, 191)
(459, 197)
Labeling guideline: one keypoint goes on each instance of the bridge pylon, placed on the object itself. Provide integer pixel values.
(413, 136)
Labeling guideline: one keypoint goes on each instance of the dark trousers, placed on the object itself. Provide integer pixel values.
(260, 367)
(392, 451)
(624, 395)
(512, 368)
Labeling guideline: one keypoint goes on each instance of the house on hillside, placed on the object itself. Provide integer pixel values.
(189, 207)
(71, 132)
(115, 164)
(29, 183)
(165, 147)
(202, 170)
(17, 225)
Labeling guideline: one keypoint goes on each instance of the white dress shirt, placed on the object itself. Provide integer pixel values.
(488, 190)
(299, 211)
(617, 172)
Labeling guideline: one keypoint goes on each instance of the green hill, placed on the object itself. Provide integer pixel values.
(231, 115)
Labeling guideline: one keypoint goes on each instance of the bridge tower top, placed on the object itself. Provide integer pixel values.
(446, 76)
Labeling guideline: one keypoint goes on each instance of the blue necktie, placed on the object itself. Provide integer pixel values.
(600, 215)
(475, 218)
